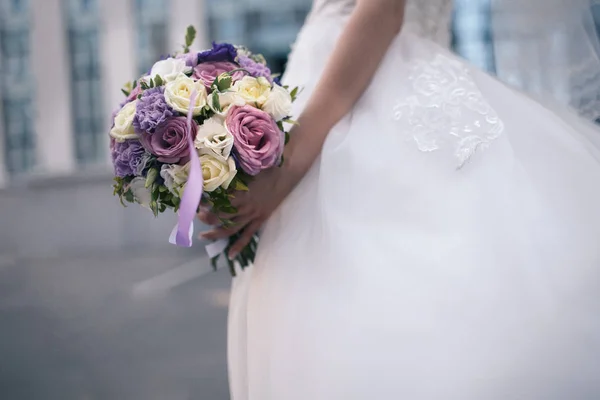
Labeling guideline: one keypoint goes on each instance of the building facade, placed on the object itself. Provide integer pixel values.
(62, 63)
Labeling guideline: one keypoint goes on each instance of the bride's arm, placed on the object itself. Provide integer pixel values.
(364, 42)
(361, 47)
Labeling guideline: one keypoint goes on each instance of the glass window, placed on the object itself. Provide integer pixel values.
(472, 36)
(83, 31)
(16, 85)
(152, 23)
(258, 24)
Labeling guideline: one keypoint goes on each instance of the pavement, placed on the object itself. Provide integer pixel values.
(149, 325)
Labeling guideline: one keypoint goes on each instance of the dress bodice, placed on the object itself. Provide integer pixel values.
(427, 18)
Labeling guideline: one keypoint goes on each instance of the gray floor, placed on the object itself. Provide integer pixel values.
(124, 326)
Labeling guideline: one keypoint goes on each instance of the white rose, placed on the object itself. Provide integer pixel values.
(175, 177)
(214, 138)
(123, 128)
(168, 69)
(226, 100)
(217, 172)
(179, 91)
(254, 91)
(140, 192)
(279, 103)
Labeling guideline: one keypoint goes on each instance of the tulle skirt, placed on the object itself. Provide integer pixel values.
(444, 246)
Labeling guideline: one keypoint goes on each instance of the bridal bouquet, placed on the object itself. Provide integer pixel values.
(199, 126)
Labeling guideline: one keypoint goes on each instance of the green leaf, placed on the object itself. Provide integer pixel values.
(144, 85)
(231, 267)
(229, 209)
(223, 82)
(162, 189)
(287, 137)
(214, 261)
(294, 93)
(190, 36)
(216, 103)
(290, 121)
(128, 195)
(240, 185)
(154, 208)
(155, 193)
(135, 84)
(151, 83)
(158, 81)
(280, 126)
(151, 177)
(162, 208)
(125, 92)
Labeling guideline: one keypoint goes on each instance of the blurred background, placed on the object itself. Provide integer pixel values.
(94, 303)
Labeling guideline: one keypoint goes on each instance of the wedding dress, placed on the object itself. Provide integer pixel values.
(446, 245)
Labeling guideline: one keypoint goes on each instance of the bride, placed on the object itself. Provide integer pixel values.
(432, 234)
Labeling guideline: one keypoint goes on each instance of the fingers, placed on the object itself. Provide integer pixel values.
(205, 215)
(239, 199)
(245, 239)
(237, 224)
(245, 212)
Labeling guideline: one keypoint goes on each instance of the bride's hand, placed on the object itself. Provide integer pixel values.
(254, 207)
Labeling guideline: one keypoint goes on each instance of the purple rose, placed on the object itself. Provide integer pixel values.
(169, 142)
(207, 72)
(151, 111)
(219, 52)
(126, 156)
(258, 142)
(255, 69)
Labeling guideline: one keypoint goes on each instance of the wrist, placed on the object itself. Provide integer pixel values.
(291, 169)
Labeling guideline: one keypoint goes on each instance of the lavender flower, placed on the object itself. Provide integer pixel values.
(151, 111)
(191, 59)
(255, 69)
(219, 52)
(126, 157)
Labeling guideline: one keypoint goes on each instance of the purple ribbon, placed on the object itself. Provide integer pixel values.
(183, 231)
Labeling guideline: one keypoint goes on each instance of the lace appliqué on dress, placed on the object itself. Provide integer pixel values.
(446, 109)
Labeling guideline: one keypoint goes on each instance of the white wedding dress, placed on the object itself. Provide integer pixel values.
(446, 245)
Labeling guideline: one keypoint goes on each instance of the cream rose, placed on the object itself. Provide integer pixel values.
(213, 138)
(168, 69)
(123, 127)
(279, 103)
(140, 192)
(217, 172)
(179, 91)
(226, 100)
(254, 91)
(175, 177)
